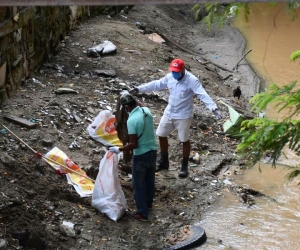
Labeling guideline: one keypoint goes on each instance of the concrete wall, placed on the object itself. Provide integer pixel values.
(30, 35)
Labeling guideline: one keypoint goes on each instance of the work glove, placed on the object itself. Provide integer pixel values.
(217, 114)
(124, 92)
(134, 91)
(115, 150)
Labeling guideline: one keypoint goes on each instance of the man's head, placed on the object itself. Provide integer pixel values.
(177, 65)
(177, 69)
(128, 102)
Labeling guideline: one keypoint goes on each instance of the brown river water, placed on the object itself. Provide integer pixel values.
(231, 224)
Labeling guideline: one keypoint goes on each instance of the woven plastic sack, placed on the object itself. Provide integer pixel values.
(103, 129)
(108, 196)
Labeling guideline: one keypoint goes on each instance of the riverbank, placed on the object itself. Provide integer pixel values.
(36, 213)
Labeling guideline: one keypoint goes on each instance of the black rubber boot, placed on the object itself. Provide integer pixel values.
(163, 162)
(184, 168)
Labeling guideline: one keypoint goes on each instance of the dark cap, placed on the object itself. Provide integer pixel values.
(126, 98)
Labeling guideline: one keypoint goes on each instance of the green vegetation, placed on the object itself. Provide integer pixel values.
(263, 137)
(220, 13)
(295, 55)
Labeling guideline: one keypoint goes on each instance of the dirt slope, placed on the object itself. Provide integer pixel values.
(35, 201)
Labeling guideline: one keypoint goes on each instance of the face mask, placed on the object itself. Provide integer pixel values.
(176, 75)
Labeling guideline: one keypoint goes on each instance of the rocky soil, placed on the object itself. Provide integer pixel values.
(35, 201)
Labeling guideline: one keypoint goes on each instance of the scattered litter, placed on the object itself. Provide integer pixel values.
(60, 91)
(36, 81)
(74, 145)
(105, 72)
(156, 38)
(196, 179)
(76, 117)
(227, 182)
(54, 66)
(133, 51)
(106, 47)
(21, 121)
(196, 158)
(68, 224)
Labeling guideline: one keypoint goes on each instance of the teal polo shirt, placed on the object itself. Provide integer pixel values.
(135, 126)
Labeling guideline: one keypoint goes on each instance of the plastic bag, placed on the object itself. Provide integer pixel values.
(103, 129)
(108, 196)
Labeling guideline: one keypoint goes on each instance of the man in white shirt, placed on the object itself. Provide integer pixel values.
(179, 111)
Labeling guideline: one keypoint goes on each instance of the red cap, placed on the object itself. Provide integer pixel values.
(176, 65)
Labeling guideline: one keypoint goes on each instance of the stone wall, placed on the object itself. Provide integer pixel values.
(30, 35)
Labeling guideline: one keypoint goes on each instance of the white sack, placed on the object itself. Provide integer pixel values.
(108, 196)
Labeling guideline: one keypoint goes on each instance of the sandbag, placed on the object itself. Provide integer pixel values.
(108, 196)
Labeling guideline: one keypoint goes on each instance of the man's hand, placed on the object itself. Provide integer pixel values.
(115, 150)
(134, 91)
(217, 113)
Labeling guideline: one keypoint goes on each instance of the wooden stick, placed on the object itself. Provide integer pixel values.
(48, 103)
(236, 66)
(46, 159)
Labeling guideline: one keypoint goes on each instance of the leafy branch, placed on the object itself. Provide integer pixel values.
(261, 136)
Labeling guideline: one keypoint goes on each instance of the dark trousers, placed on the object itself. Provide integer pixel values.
(143, 177)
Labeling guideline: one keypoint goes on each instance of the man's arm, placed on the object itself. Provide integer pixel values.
(139, 103)
(133, 143)
(203, 96)
(150, 86)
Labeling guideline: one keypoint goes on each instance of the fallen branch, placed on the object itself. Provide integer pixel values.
(208, 61)
(225, 78)
(219, 66)
(237, 65)
(175, 44)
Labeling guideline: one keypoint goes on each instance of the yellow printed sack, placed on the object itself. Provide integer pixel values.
(82, 185)
(103, 129)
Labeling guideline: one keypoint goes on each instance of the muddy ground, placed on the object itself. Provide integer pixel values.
(35, 201)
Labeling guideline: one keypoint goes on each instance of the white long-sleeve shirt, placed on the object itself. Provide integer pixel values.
(180, 104)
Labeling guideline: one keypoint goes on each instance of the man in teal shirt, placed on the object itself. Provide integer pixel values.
(142, 141)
